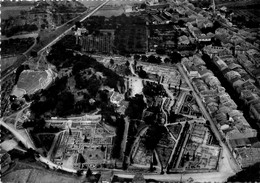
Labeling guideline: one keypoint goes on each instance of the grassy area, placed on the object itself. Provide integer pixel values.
(16, 46)
(7, 62)
(6, 89)
(175, 130)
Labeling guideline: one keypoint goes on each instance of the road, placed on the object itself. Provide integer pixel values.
(17, 135)
(21, 59)
(69, 29)
(22, 36)
(165, 113)
(233, 162)
(28, 145)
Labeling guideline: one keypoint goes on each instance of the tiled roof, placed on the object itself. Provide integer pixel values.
(249, 156)
(233, 66)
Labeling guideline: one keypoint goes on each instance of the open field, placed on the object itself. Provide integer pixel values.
(7, 62)
(112, 2)
(13, 11)
(109, 13)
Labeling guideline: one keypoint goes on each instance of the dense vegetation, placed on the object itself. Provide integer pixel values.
(120, 123)
(249, 174)
(17, 28)
(154, 135)
(72, 94)
(16, 46)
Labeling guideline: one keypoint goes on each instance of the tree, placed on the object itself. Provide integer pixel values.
(142, 73)
(15, 106)
(33, 54)
(23, 12)
(111, 61)
(171, 11)
(167, 60)
(103, 96)
(65, 103)
(81, 158)
(120, 123)
(77, 25)
(77, 67)
(249, 174)
(136, 57)
(89, 173)
(93, 84)
(79, 172)
(43, 26)
(175, 57)
(38, 39)
(143, 58)
(77, 47)
(127, 63)
(153, 59)
(103, 148)
(128, 71)
(160, 51)
(153, 136)
(143, 6)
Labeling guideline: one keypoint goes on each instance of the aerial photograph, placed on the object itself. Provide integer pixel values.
(130, 91)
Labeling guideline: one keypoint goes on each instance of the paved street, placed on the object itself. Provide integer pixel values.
(233, 163)
(22, 36)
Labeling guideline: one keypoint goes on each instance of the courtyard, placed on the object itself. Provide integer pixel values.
(85, 145)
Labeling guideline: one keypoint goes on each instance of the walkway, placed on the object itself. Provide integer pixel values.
(233, 162)
(22, 36)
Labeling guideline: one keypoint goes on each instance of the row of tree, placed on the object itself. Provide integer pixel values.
(174, 57)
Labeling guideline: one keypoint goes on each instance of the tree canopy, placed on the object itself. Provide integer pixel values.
(249, 174)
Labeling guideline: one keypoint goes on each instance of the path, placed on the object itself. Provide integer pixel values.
(22, 36)
(233, 162)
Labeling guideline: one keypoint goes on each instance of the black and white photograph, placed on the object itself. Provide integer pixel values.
(130, 91)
